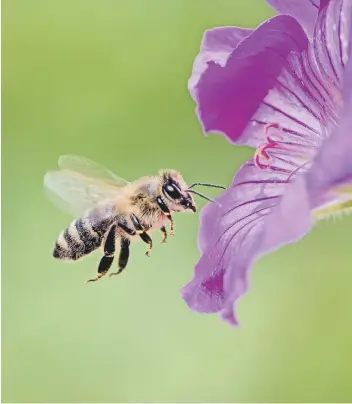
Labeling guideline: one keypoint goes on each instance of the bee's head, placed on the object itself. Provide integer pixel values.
(176, 192)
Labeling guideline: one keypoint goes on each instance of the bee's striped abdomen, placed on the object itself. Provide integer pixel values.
(79, 239)
(85, 234)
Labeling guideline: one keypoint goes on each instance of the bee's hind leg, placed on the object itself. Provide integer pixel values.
(142, 234)
(123, 257)
(107, 260)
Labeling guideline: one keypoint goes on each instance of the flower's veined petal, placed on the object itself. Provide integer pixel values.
(329, 52)
(234, 232)
(305, 11)
(217, 44)
(276, 76)
(332, 167)
(267, 79)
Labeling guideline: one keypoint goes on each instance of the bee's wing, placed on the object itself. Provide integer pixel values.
(90, 169)
(75, 192)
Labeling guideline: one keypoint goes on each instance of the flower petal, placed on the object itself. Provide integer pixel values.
(217, 45)
(329, 51)
(276, 76)
(332, 166)
(305, 11)
(265, 80)
(234, 232)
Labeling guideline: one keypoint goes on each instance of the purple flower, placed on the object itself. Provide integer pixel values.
(284, 89)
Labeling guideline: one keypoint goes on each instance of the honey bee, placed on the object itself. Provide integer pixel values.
(110, 209)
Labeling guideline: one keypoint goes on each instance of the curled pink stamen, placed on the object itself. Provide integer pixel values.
(269, 126)
(262, 151)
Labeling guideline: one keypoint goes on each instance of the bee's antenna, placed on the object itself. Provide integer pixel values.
(206, 185)
(201, 195)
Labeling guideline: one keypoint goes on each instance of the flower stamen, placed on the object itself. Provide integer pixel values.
(261, 153)
(271, 143)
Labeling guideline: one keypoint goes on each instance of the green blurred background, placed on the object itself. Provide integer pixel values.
(107, 79)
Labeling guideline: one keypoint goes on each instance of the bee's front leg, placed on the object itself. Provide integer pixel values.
(166, 210)
(107, 260)
(142, 233)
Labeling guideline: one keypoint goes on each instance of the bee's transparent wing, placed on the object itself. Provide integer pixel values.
(81, 185)
(90, 169)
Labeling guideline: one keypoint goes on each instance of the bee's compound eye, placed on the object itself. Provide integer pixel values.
(172, 191)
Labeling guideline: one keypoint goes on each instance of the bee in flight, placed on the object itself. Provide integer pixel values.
(110, 209)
